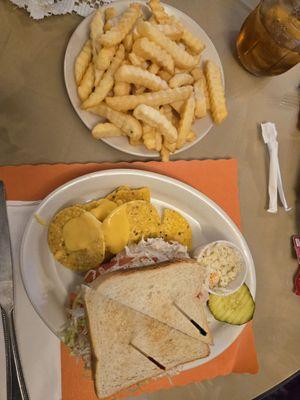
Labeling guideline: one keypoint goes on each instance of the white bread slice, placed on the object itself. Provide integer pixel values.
(153, 291)
(118, 364)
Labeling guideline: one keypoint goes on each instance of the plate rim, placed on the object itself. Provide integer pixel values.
(107, 141)
(159, 177)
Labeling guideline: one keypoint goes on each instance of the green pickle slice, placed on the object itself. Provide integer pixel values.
(235, 309)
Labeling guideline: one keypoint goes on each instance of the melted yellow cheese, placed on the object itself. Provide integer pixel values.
(40, 220)
(82, 232)
(116, 230)
(104, 208)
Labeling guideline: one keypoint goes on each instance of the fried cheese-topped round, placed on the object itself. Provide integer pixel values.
(124, 194)
(144, 220)
(76, 239)
(175, 227)
(129, 223)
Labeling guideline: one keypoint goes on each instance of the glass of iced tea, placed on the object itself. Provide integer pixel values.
(269, 40)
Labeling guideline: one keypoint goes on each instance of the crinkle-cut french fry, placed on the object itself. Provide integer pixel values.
(122, 89)
(165, 154)
(118, 32)
(136, 60)
(127, 123)
(168, 113)
(100, 92)
(108, 25)
(191, 41)
(216, 92)
(149, 137)
(96, 30)
(87, 83)
(159, 12)
(135, 33)
(82, 61)
(197, 73)
(186, 121)
(107, 82)
(153, 68)
(135, 142)
(181, 58)
(180, 70)
(98, 76)
(154, 118)
(191, 137)
(201, 78)
(139, 89)
(171, 31)
(158, 141)
(110, 12)
(197, 58)
(153, 99)
(139, 76)
(128, 42)
(200, 101)
(152, 139)
(181, 80)
(171, 147)
(148, 50)
(104, 57)
(178, 106)
(165, 75)
(106, 129)
(195, 45)
(117, 60)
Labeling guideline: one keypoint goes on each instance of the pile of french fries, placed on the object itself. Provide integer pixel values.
(144, 77)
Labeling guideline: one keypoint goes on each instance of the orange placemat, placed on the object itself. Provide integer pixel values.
(219, 181)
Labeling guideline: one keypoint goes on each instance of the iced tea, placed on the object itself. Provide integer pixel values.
(269, 40)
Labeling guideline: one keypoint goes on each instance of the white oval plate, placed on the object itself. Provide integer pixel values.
(77, 40)
(48, 283)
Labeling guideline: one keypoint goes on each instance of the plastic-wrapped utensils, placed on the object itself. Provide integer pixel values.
(269, 133)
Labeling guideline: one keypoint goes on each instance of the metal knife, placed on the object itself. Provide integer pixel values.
(15, 383)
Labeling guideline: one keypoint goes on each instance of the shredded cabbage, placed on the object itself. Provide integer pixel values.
(75, 334)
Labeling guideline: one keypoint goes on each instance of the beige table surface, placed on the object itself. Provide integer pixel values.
(38, 125)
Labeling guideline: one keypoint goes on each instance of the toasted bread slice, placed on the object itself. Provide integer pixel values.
(167, 292)
(123, 338)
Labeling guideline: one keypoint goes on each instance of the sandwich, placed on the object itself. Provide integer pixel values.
(144, 322)
(140, 315)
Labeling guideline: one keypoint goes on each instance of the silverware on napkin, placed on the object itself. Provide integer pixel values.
(16, 388)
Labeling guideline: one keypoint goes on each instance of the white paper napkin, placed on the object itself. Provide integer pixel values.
(39, 348)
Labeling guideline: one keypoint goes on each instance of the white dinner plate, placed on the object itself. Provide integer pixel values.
(48, 283)
(77, 40)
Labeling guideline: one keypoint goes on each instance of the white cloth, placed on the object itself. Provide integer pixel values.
(39, 348)
(39, 9)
